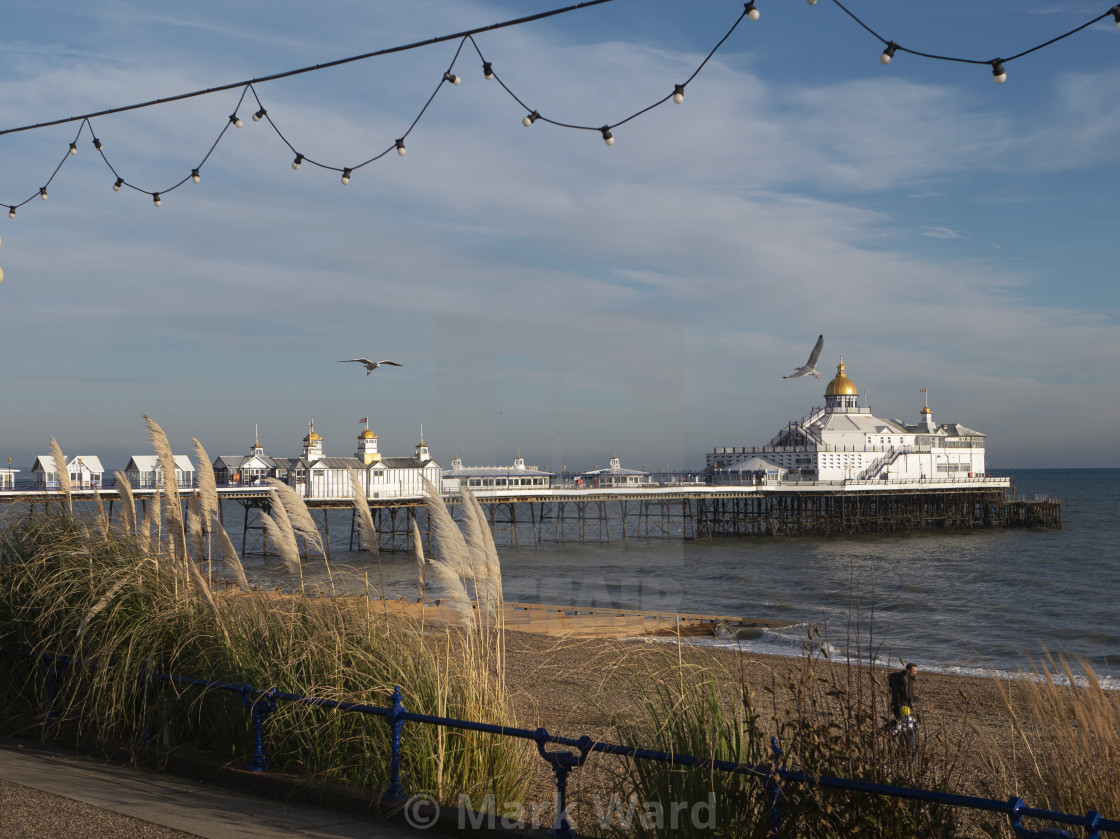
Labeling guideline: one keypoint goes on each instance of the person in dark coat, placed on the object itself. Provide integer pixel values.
(904, 690)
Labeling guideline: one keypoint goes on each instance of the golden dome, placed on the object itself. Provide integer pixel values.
(311, 436)
(367, 435)
(926, 410)
(841, 385)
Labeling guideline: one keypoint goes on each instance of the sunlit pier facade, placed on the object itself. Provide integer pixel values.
(847, 443)
(840, 470)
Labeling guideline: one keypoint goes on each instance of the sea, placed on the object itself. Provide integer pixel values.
(998, 600)
(972, 603)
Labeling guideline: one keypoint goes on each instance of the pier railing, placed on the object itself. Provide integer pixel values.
(261, 702)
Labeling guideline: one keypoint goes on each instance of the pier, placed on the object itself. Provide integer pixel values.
(685, 510)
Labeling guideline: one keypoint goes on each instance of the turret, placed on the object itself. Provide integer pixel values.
(367, 447)
(841, 393)
(312, 444)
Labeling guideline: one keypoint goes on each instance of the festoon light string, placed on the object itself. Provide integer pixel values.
(999, 72)
(750, 11)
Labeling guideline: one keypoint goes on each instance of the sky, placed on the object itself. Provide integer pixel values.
(545, 294)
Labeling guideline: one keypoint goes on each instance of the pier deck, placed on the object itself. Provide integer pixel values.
(527, 517)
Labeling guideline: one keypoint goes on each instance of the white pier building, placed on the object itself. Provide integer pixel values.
(313, 475)
(482, 478)
(843, 442)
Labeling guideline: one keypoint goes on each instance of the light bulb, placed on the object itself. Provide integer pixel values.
(117, 185)
(345, 176)
(155, 199)
(11, 212)
(608, 138)
(487, 70)
(530, 119)
(998, 72)
(73, 148)
(43, 192)
(97, 144)
(678, 93)
(257, 116)
(297, 161)
(888, 53)
(195, 176)
(812, 2)
(751, 11)
(235, 119)
(451, 77)
(401, 150)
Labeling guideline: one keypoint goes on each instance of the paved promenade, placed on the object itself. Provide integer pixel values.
(46, 792)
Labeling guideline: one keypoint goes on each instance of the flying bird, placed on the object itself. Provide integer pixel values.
(810, 367)
(370, 365)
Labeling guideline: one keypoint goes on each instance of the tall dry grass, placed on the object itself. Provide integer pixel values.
(1062, 747)
(132, 600)
(828, 718)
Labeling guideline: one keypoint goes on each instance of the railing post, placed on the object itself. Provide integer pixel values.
(259, 707)
(562, 763)
(774, 788)
(395, 792)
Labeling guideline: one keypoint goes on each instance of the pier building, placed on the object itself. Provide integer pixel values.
(478, 478)
(144, 471)
(314, 475)
(844, 442)
(85, 472)
(615, 476)
(248, 469)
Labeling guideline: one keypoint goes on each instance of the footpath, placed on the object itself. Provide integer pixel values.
(47, 792)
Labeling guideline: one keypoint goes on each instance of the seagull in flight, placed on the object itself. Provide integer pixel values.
(371, 365)
(810, 367)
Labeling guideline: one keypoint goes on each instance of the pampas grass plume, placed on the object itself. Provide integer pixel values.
(207, 485)
(285, 543)
(298, 515)
(166, 458)
(229, 555)
(418, 545)
(128, 502)
(452, 548)
(454, 595)
(63, 472)
(194, 528)
(365, 518)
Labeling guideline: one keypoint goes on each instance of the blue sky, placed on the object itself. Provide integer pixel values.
(545, 293)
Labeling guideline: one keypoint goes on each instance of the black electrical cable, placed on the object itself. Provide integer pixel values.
(287, 73)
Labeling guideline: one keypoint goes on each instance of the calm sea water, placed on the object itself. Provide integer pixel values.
(961, 602)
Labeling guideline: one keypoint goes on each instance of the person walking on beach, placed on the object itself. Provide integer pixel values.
(904, 691)
(903, 686)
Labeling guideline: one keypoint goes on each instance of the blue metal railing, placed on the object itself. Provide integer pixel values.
(262, 702)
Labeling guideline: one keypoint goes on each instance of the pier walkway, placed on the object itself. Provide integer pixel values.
(690, 508)
(48, 792)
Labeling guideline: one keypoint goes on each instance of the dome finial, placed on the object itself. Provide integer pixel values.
(841, 385)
